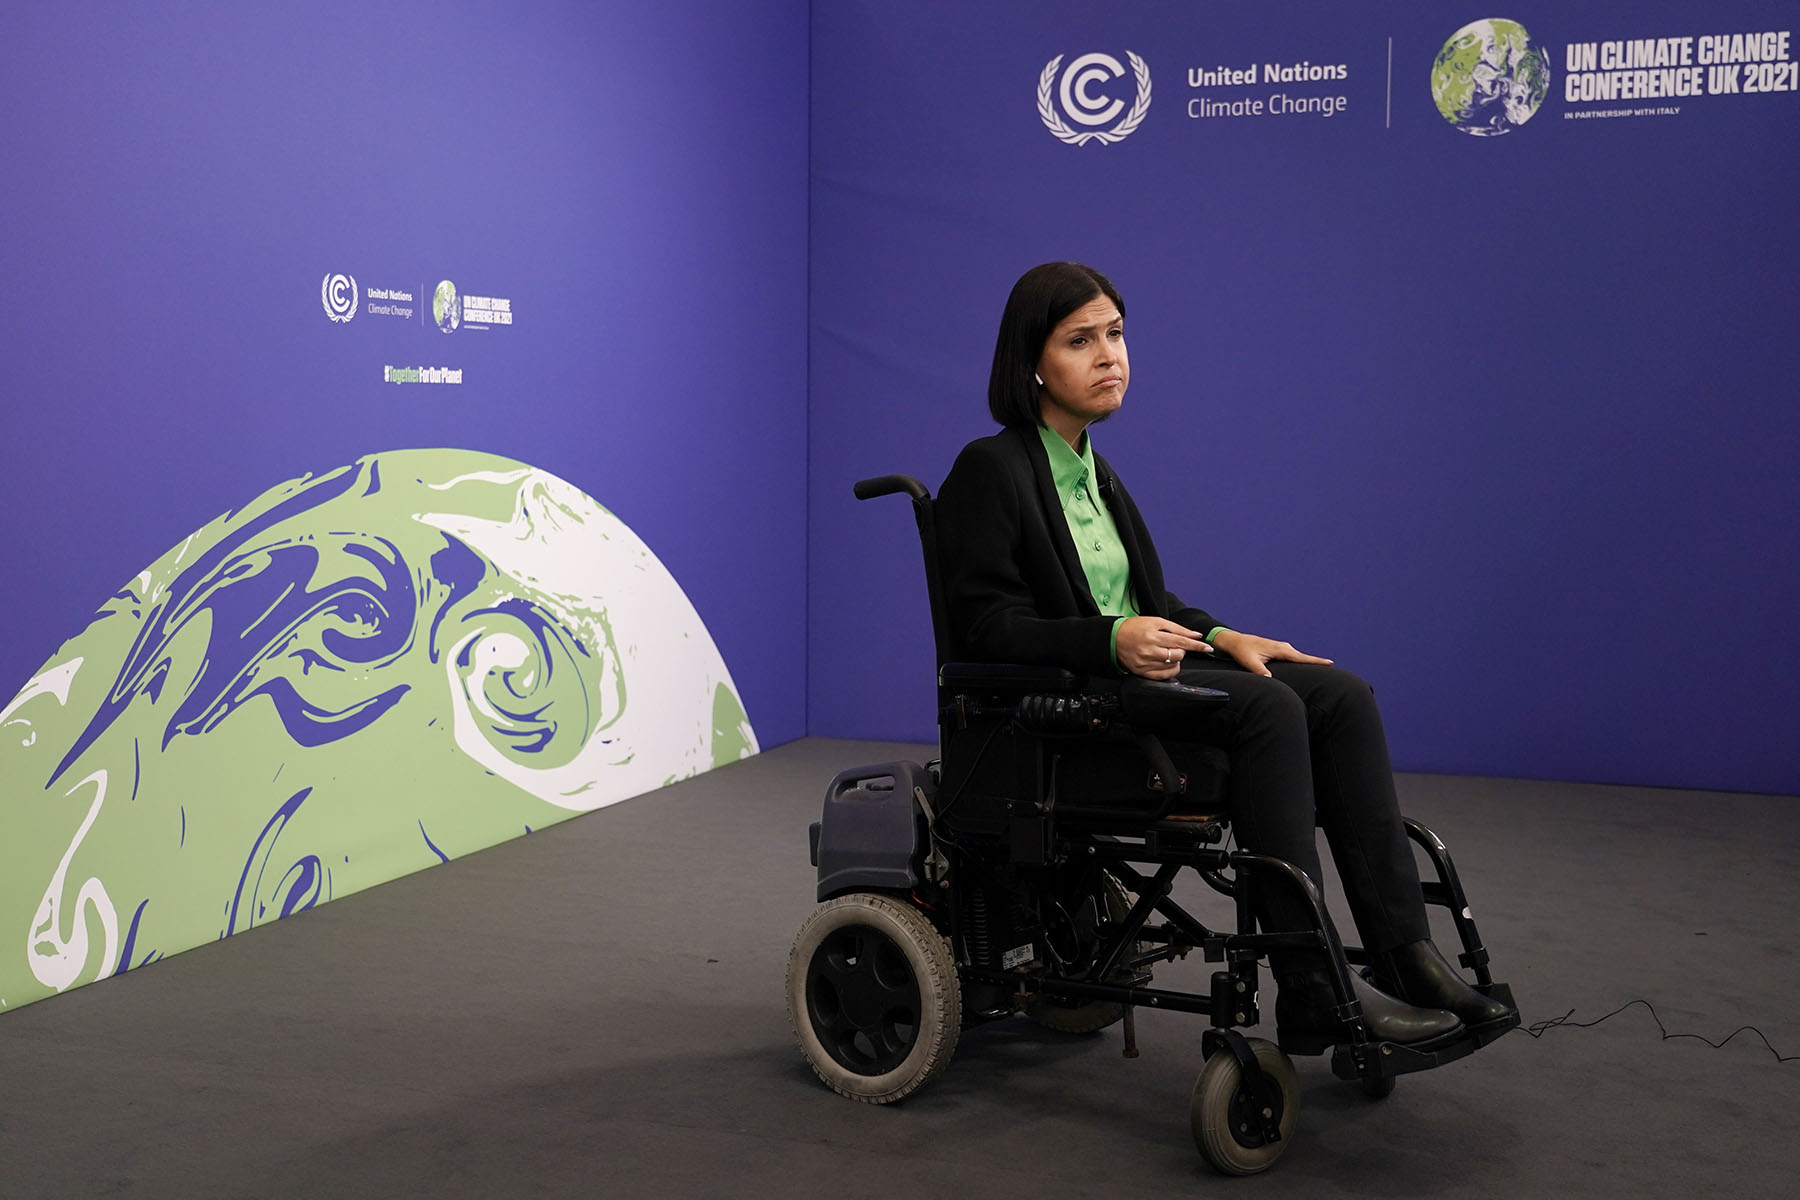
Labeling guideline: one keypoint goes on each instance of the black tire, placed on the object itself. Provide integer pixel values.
(1378, 1089)
(1094, 1015)
(1223, 1111)
(873, 997)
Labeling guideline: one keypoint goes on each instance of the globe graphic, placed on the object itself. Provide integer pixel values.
(1490, 77)
(444, 308)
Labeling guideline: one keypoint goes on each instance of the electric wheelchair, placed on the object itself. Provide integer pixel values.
(1030, 870)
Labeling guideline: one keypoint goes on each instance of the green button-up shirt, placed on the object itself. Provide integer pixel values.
(1096, 534)
(1091, 525)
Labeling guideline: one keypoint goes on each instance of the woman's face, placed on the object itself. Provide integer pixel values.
(1084, 368)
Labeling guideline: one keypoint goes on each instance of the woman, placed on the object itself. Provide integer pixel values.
(1047, 560)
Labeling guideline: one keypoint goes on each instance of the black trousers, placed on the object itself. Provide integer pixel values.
(1307, 749)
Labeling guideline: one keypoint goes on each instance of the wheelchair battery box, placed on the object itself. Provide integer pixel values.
(872, 833)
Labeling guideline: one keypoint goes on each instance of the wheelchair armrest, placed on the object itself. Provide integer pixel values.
(1006, 677)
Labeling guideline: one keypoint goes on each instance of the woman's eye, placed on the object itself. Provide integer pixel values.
(1077, 341)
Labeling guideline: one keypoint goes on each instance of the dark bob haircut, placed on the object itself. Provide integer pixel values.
(1039, 302)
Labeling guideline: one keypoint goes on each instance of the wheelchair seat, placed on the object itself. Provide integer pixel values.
(1029, 869)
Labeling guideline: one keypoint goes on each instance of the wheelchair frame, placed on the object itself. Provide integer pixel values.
(973, 842)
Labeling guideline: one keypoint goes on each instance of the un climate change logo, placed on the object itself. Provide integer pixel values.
(1083, 106)
(445, 309)
(338, 293)
(1490, 77)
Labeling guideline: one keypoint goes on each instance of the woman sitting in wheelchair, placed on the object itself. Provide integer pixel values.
(1046, 560)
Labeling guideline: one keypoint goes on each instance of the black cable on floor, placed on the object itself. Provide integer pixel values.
(1538, 1029)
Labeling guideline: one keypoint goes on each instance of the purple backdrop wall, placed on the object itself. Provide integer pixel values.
(1506, 423)
(1521, 406)
(180, 178)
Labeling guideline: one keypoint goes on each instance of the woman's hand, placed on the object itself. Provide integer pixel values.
(1154, 648)
(1254, 653)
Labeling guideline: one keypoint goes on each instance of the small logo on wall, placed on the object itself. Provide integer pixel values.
(389, 302)
(338, 293)
(1490, 77)
(445, 309)
(393, 374)
(1088, 96)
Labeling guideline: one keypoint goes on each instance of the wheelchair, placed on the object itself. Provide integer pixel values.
(1030, 869)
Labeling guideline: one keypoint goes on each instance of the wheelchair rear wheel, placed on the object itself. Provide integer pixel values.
(1227, 1115)
(873, 997)
(1094, 1015)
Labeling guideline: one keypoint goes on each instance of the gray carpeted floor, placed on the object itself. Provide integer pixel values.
(597, 1009)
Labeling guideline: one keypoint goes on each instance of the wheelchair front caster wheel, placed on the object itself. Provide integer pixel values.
(873, 997)
(1229, 1117)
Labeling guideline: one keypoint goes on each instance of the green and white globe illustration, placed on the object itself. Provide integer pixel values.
(1490, 77)
(444, 307)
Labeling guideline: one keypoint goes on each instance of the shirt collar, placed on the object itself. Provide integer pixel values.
(1068, 469)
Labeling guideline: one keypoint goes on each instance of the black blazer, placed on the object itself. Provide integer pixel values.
(1013, 581)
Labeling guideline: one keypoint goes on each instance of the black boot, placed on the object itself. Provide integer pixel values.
(1303, 1016)
(1419, 973)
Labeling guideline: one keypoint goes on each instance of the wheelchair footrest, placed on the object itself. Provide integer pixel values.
(1381, 1060)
